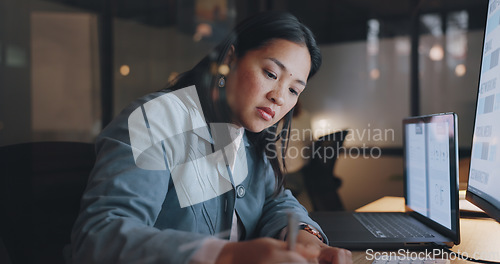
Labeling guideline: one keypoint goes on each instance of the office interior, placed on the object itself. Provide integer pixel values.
(67, 67)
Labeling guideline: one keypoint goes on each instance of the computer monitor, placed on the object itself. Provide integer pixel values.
(484, 172)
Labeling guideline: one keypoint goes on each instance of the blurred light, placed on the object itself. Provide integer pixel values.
(124, 70)
(374, 74)
(322, 123)
(460, 19)
(223, 69)
(202, 30)
(436, 53)
(326, 123)
(433, 24)
(456, 34)
(321, 127)
(172, 76)
(372, 37)
(460, 70)
(402, 46)
(456, 45)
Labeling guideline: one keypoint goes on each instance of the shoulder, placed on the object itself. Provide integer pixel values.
(171, 112)
(144, 127)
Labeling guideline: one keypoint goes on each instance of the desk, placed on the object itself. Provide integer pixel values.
(479, 235)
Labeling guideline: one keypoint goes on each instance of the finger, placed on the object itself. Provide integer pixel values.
(292, 257)
(283, 255)
(299, 255)
(333, 255)
(275, 243)
(308, 251)
(313, 261)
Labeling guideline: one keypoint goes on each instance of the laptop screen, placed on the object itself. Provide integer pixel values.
(431, 157)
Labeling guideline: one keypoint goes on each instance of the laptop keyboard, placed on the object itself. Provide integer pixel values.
(388, 225)
(395, 260)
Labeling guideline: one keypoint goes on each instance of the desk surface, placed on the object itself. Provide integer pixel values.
(478, 236)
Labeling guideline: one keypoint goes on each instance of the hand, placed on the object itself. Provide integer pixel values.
(265, 250)
(333, 255)
(327, 255)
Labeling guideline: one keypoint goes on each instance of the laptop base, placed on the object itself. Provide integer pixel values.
(345, 231)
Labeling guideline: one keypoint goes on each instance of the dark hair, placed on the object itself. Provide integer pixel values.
(252, 33)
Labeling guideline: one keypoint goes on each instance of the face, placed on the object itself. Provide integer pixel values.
(265, 83)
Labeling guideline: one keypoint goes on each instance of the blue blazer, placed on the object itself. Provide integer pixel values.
(131, 211)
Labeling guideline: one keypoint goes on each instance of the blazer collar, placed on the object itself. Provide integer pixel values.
(198, 124)
(189, 96)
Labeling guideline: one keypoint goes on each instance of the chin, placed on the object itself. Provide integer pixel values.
(257, 127)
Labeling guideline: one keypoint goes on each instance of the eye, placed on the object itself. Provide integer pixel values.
(293, 91)
(271, 75)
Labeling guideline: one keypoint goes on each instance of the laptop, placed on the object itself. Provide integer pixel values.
(431, 214)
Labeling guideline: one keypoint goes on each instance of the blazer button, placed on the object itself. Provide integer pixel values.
(240, 191)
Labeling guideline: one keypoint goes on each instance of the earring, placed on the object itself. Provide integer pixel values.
(222, 81)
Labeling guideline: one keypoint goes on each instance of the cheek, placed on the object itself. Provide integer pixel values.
(292, 104)
(287, 108)
(251, 85)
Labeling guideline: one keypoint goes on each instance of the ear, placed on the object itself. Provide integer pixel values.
(230, 57)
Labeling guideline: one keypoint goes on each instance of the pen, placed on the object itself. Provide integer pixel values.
(293, 230)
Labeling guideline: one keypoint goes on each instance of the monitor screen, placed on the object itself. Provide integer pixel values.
(484, 173)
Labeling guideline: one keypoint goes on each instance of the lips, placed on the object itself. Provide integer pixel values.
(266, 113)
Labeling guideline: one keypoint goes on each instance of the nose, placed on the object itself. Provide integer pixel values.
(276, 96)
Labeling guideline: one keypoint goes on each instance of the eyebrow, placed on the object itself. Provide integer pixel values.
(285, 69)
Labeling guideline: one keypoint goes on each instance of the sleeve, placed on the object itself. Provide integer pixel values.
(119, 209)
(274, 213)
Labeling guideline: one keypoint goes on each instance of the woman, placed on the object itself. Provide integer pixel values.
(189, 174)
